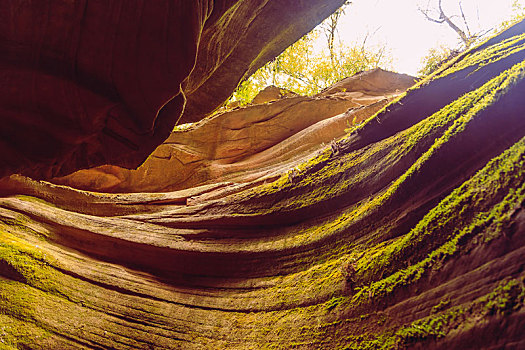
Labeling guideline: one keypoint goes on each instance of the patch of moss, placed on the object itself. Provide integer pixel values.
(506, 298)
(491, 54)
(501, 175)
(31, 263)
(434, 327)
(333, 303)
(16, 334)
(436, 258)
(443, 304)
(496, 180)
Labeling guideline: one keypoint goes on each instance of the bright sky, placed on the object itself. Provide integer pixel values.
(408, 35)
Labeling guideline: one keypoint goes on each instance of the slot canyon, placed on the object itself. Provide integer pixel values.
(385, 212)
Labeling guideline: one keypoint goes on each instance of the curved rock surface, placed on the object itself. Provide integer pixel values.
(272, 93)
(409, 232)
(253, 142)
(86, 83)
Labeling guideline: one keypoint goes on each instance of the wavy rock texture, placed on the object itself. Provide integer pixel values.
(250, 143)
(407, 233)
(86, 83)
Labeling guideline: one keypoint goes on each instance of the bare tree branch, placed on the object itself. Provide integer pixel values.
(379, 57)
(464, 19)
(329, 27)
(425, 13)
(466, 38)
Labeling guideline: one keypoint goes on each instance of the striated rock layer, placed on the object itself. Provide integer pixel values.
(86, 83)
(248, 143)
(407, 233)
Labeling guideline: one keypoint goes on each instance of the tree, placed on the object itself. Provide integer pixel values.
(301, 70)
(436, 14)
(518, 15)
(306, 70)
(329, 27)
(435, 58)
(289, 70)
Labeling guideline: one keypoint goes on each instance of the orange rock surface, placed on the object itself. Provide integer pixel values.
(258, 141)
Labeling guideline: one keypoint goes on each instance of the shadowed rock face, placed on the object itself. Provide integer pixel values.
(86, 83)
(259, 141)
(409, 232)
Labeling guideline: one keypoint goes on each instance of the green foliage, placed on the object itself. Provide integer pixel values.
(434, 59)
(306, 70)
(507, 297)
(518, 14)
(19, 334)
(432, 327)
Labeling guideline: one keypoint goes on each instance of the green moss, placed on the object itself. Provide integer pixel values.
(17, 300)
(491, 54)
(435, 259)
(31, 263)
(26, 263)
(334, 302)
(433, 327)
(500, 175)
(34, 200)
(16, 334)
(506, 298)
(443, 304)
(460, 208)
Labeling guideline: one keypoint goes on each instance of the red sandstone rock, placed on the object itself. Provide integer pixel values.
(271, 93)
(252, 142)
(86, 83)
